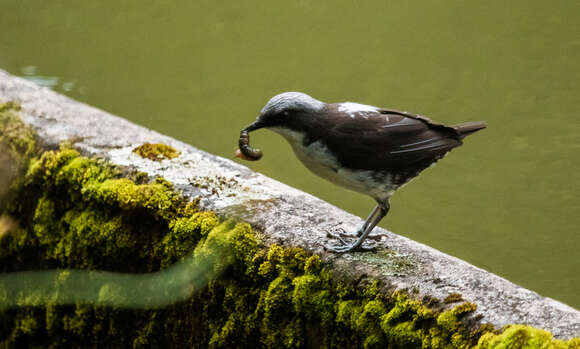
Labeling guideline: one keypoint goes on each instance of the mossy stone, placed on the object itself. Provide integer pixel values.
(156, 151)
(79, 213)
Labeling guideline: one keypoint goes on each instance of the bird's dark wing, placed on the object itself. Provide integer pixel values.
(388, 140)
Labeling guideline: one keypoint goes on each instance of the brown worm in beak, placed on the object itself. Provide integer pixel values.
(246, 152)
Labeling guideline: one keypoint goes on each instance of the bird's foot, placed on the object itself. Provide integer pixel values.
(341, 233)
(345, 246)
(350, 248)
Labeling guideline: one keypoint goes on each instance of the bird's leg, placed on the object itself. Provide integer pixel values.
(369, 226)
(370, 235)
(367, 221)
(342, 233)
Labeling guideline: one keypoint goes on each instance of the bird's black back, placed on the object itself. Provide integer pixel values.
(387, 141)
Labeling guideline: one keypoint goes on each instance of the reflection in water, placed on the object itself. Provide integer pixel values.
(29, 72)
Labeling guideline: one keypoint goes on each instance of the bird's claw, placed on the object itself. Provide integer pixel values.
(350, 248)
(341, 233)
(346, 247)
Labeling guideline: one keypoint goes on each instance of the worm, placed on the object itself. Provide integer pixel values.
(246, 151)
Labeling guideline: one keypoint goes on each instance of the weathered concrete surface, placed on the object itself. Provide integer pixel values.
(283, 214)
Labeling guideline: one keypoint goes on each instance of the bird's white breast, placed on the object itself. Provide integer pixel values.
(318, 159)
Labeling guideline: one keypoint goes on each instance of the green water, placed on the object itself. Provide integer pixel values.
(506, 201)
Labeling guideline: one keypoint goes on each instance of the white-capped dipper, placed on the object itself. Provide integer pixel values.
(370, 150)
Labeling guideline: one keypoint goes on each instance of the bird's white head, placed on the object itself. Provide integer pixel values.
(282, 109)
(292, 101)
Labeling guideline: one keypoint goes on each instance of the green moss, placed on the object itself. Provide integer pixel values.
(453, 298)
(449, 320)
(313, 300)
(184, 233)
(15, 135)
(17, 146)
(82, 213)
(91, 181)
(156, 151)
(525, 337)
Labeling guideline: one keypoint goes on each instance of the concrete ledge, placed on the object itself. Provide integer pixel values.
(285, 215)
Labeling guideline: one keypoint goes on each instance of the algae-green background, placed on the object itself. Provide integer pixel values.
(507, 201)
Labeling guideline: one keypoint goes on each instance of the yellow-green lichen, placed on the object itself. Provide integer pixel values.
(81, 213)
(156, 151)
(525, 337)
(17, 146)
(17, 137)
(453, 298)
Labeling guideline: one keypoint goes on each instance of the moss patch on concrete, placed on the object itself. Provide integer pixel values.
(156, 151)
(453, 298)
(18, 138)
(17, 146)
(521, 336)
(81, 213)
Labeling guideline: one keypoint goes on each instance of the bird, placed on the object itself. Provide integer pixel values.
(363, 148)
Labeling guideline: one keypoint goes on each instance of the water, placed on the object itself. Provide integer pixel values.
(506, 201)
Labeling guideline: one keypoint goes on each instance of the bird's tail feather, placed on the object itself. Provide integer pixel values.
(467, 128)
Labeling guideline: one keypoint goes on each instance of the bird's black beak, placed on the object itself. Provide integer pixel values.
(258, 124)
